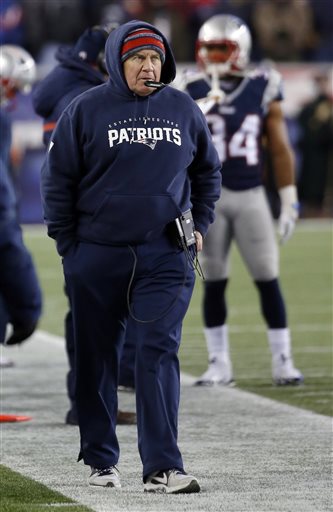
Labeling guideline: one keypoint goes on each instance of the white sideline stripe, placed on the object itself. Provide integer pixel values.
(59, 341)
(185, 378)
(250, 453)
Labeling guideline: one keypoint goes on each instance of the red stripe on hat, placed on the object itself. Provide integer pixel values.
(142, 41)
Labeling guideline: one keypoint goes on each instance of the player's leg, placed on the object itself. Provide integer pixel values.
(255, 237)
(19, 284)
(215, 264)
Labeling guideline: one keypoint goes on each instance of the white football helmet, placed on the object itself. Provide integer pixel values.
(17, 71)
(231, 34)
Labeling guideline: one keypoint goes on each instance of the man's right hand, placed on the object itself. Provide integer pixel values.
(199, 240)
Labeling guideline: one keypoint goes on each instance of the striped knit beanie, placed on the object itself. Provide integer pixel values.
(142, 39)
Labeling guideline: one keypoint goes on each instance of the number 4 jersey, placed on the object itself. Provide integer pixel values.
(237, 122)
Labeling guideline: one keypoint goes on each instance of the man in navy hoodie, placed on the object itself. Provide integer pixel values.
(80, 68)
(127, 160)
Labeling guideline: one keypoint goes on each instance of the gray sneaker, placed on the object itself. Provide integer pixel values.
(106, 477)
(171, 481)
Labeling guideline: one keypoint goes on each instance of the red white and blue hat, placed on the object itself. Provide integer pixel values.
(142, 39)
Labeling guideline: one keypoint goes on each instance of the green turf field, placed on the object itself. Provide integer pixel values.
(306, 276)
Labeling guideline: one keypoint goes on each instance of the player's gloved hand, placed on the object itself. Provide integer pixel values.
(20, 333)
(289, 212)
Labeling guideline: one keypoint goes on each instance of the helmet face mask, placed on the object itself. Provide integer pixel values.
(17, 72)
(222, 52)
(224, 39)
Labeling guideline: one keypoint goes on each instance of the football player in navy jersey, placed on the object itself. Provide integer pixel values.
(242, 107)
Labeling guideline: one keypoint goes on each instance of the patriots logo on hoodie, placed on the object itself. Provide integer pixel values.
(151, 143)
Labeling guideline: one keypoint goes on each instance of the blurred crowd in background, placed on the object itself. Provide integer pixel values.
(296, 35)
(282, 30)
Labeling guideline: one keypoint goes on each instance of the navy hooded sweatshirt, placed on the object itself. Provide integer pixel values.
(120, 167)
(66, 81)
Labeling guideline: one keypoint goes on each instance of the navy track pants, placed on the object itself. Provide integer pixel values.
(97, 280)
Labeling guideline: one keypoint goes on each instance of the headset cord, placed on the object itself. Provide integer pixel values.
(172, 303)
(193, 260)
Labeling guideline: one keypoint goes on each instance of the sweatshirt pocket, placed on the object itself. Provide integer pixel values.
(122, 219)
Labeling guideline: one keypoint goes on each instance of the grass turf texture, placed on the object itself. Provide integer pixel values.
(19, 493)
(306, 278)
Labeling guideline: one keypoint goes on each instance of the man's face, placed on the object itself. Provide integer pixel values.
(141, 66)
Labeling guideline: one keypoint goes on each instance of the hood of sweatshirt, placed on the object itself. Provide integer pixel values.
(113, 56)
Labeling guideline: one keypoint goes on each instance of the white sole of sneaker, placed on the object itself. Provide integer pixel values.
(210, 383)
(288, 382)
(192, 487)
(109, 485)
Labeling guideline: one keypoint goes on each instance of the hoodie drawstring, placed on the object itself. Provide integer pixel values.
(145, 117)
(134, 117)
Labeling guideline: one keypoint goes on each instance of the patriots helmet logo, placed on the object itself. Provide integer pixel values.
(151, 143)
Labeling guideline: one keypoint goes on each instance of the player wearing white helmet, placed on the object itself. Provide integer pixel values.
(17, 71)
(242, 108)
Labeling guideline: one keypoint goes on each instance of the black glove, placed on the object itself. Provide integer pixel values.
(20, 333)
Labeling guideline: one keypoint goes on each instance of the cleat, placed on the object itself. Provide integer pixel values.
(126, 418)
(284, 372)
(172, 481)
(219, 372)
(106, 477)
